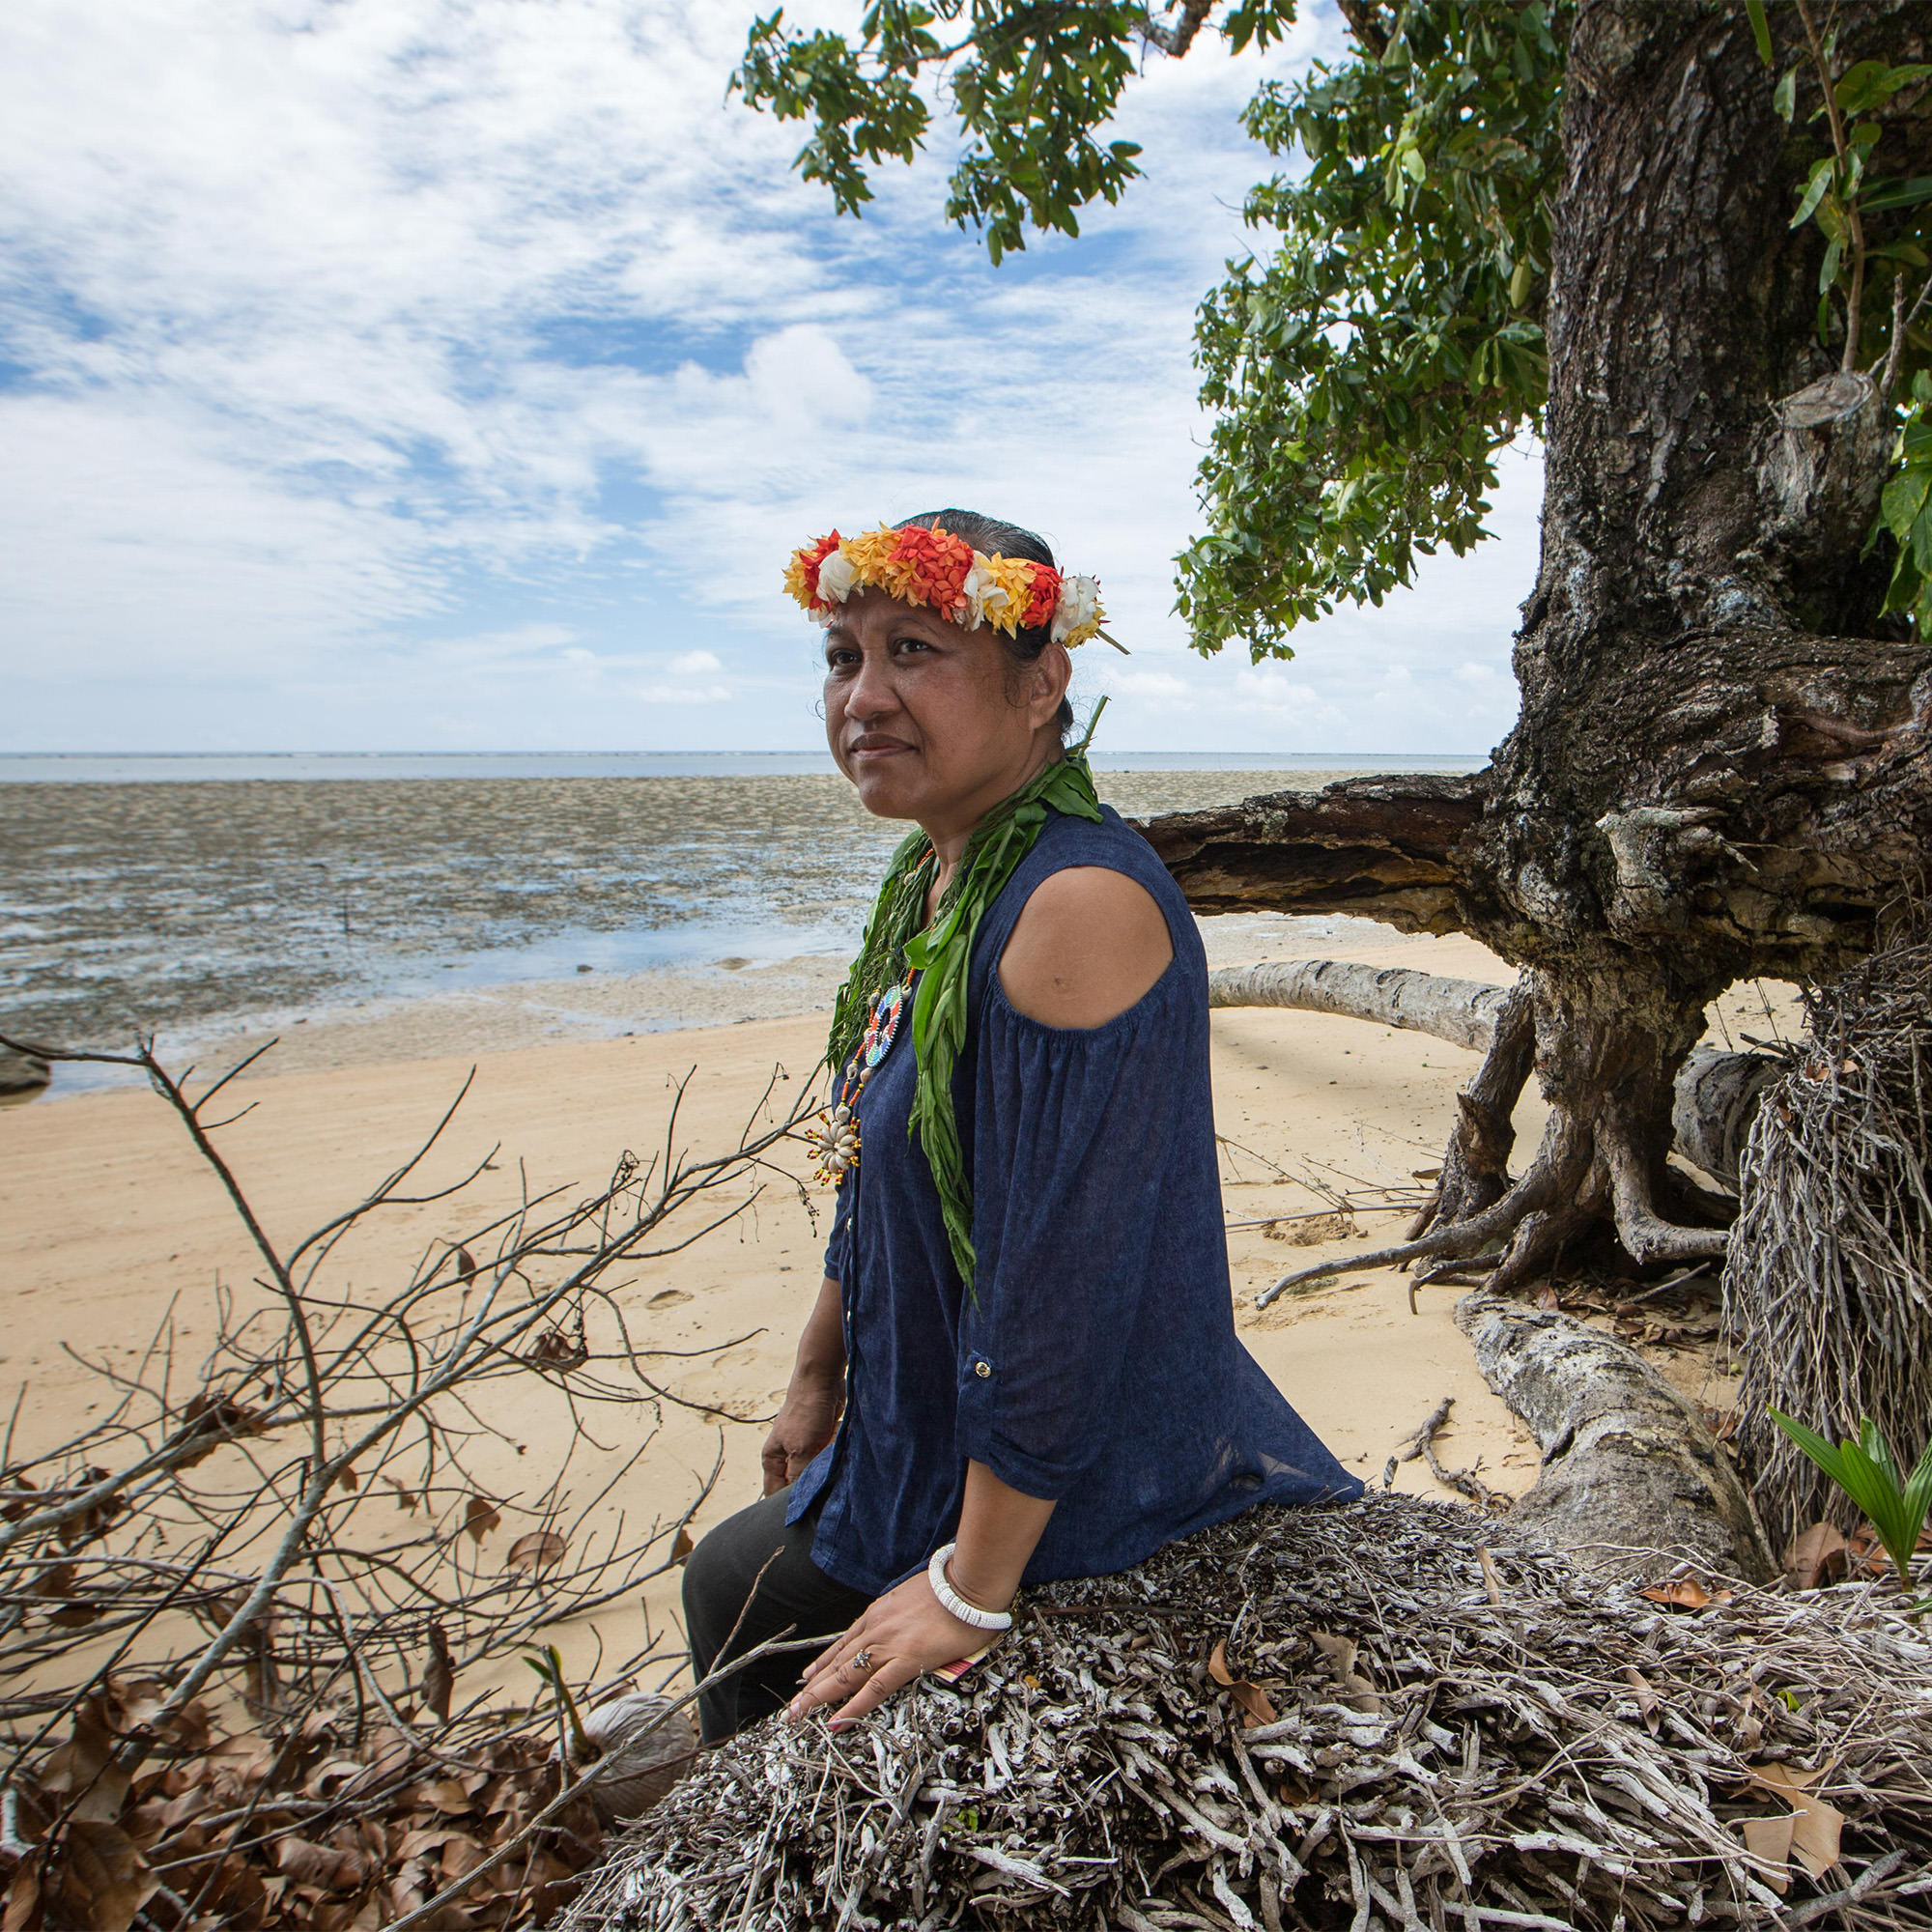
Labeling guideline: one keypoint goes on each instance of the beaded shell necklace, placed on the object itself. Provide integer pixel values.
(907, 961)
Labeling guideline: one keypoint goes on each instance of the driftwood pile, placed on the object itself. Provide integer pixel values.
(1387, 1714)
(1828, 1290)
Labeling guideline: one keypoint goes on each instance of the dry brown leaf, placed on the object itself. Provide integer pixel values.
(1816, 1824)
(1820, 1555)
(1684, 1593)
(681, 1545)
(447, 1794)
(537, 1551)
(480, 1518)
(1217, 1664)
(1649, 1704)
(323, 1865)
(1493, 1582)
(104, 1881)
(1341, 1652)
(461, 1856)
(1769, 1839)
(439, 1680)
(405, 1497)
(24, 1898)
(1256, 1706)
(55, 1580)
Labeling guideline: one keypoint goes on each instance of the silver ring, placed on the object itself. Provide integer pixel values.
(862, 1660)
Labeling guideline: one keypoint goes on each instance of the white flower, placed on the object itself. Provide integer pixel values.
(1078, 608)
(835, 578)
(983, 592)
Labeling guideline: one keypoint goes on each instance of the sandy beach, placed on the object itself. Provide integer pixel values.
(108, 1222)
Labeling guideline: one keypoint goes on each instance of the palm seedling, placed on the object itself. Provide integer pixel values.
(1866, 1472)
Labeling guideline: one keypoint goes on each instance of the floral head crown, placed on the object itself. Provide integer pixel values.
(945, 574)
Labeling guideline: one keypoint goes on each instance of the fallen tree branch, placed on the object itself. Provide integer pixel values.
(1632, 1474)
(1461, 1011)
(1422, 1444)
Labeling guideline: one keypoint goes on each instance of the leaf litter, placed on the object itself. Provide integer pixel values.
(1467, 1733)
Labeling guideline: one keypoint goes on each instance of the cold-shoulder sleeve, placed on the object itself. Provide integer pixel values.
(1071, 1138)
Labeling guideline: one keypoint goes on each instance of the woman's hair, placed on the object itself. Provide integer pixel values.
(1000, 539)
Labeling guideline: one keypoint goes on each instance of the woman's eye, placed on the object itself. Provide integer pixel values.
(906, 644)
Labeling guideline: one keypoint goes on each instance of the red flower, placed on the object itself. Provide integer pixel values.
(803, 574)
(929, 567)
(1045, 597)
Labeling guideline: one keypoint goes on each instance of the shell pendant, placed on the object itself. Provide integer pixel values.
(833, 1141)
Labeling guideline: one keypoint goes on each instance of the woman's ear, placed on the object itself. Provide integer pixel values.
(1052, 673)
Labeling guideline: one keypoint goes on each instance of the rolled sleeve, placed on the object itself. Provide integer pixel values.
(839, 1244)
(1070, 1144)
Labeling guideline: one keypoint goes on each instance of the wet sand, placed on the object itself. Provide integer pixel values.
(207, 912)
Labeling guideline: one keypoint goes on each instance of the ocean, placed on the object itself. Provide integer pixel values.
(205, 899)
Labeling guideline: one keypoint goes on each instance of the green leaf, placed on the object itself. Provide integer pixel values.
(1866, 1472)
(1815, 185)
(1784, 95)
(1760, 29)
(1872, 82)
(1813, 1445)
(1898, 194)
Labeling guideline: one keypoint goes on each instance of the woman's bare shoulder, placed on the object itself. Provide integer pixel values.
(1089, 943)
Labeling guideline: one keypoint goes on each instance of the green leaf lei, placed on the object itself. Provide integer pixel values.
(941, 954)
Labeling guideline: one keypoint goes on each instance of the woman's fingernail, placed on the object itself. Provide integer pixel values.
(839, 1725)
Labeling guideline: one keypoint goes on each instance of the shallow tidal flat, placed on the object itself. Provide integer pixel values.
(415, 915)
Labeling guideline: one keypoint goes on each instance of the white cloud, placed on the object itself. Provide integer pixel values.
(404, 367)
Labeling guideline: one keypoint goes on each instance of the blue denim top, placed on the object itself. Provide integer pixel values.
(1095, 1361)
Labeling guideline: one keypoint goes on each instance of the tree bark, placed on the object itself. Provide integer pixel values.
(1461, 1011)
(1379, 848)
(1630, 1470)
(1722, 765)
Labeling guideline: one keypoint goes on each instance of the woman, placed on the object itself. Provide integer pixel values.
(1022, 1363)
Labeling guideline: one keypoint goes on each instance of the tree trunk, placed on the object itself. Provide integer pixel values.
(1721, 767)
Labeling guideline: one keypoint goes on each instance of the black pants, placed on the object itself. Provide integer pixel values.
(794, 1595)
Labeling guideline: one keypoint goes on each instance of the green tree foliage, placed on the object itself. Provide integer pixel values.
(1383, 338)
(1366, 367)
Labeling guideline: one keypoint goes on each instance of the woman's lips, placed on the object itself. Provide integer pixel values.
(870, 749)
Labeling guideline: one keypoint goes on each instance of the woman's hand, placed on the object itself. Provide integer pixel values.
(808, 1419)
(902, 1633)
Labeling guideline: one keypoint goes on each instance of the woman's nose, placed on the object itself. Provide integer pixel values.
(871, 693)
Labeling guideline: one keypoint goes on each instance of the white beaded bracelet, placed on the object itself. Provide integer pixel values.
(953, 1603)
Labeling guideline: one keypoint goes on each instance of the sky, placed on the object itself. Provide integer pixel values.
(382, 375)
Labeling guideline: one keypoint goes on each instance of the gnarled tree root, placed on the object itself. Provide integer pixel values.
(1600, 1158)
(1630, 1470)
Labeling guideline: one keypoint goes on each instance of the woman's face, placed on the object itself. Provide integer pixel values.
(931, 722)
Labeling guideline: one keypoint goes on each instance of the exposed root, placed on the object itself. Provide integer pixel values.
(1609, 1078)
(1475, 1166)
(1461, 1239)
(1646, 1235)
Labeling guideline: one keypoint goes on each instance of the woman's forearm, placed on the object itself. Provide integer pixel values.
(821, 1348)
(999, 1528)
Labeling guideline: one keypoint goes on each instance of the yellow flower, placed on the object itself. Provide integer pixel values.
(1015, 576)
(871, 557)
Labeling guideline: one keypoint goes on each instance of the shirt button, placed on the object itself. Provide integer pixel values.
(982, 1369)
